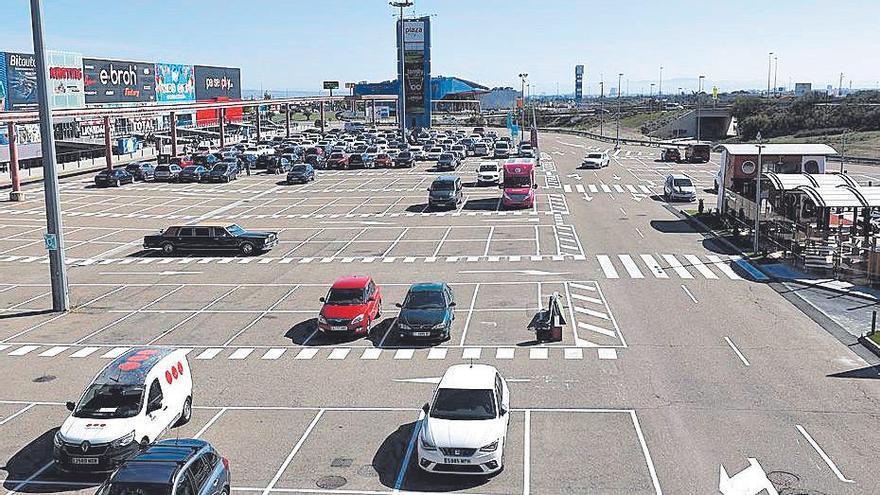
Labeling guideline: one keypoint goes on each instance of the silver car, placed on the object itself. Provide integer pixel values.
(679, 187)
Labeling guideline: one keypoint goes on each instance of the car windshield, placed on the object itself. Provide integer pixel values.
(298, 168)
(135, 488)
(235, 230)
(446, 156)
(595, 155)
(488, 168)
(109, 401)
(162, 168)
(220, 167)
(464, 404)
(443, 185)
(425, 299)
(683, 182)
(345, 297)
(517, 181)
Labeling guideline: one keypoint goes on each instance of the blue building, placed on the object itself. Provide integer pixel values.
(441, 88)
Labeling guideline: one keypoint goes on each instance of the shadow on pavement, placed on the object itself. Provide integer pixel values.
(25, 314)
(487, 204)
(388, 462)
(871, 373)
(36, 457)
(673, 227)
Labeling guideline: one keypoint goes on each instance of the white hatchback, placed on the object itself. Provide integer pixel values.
(464, 429)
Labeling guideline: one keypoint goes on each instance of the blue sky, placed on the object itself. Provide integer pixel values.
(295, 44)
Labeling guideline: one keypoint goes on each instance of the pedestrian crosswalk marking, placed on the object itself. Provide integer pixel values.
(593, 188)
(306, 353)
(21, 351)
(504, 353)
(539, 353)
(656, 270)
(404, 354)
(618, 188)
(573, 353)
(437, 353)
(471, 353)
(84, 352)
(371, 354)
(630, 266)
(607, 266)
(677, 266)
(114, 353)
(580, 188)
(724, 267)
(605, 188)
(339, 353)
(700, 267)
(54, 351)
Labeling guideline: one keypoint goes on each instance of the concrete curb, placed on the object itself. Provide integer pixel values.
(770, 276)
(870, 345)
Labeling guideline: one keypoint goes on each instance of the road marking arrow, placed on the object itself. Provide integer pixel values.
(615, 177)
(587, 197)
(750, 481)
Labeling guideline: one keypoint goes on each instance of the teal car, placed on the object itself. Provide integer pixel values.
(426, 312)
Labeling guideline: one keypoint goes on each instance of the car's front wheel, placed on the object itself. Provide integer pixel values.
(247, 249)
(167, 247)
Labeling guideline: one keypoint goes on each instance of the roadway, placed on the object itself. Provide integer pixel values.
(673, 366)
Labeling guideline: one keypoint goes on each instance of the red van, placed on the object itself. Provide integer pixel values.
(518, 183)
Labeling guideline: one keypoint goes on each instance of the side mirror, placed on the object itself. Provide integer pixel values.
(371, 298)
(502, 411)
(428, 189)
(426, 408)
(321, 299)
(452, 304)
(534, 186)
(398, 305)
(70, 406)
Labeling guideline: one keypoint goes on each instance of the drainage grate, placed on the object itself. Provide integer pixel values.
(341, 462)
(331, 482)
(367, 471)
(44, 378)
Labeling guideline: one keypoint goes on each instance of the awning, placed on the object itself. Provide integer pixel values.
(779, 149)
(790, 182)
(833, 197)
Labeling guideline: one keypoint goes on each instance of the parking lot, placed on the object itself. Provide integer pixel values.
(644, 344)
(368, 450)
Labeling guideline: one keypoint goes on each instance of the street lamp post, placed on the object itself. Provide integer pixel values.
(660, 86)
(522, 96)
(769, 66)
(617, 139)
(775, 71)
(759, 169)
(54, 230)
(602, 105)
(401, 94)
(699, 103)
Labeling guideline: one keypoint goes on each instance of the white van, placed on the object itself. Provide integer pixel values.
(131, 403)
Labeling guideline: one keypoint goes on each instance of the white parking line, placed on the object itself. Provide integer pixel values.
(293, 452)
(736, 350)
(15, 414)
(823, 455)
(467, 321)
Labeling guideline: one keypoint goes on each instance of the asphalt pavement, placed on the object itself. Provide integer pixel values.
(675, 371)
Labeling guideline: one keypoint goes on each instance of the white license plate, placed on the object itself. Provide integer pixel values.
(421, 334)
(337, 328)
(455, 460)
(84, 460)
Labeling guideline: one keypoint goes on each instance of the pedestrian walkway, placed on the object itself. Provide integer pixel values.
(32, 175)
(669, 266)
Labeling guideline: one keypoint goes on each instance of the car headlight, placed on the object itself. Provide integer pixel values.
(492, 447)
(58, 440)
(321, 319)
(426, 444)
(439, 326)
(357, 319)
(123, 441)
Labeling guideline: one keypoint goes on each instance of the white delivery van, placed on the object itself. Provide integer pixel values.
(130, 404)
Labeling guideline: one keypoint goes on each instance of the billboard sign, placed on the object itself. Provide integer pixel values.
(331, 84)
(65, 79)
(4, 93)
(416, 77)
(801, 89)
(21, 81)
(175, 83)
(578, 82)
(217, 82)
(119, 81)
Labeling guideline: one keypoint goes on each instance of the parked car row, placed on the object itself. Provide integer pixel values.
(117, 423)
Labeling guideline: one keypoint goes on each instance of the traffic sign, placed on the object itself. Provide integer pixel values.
(349, 85)
(514, 130)
(331, 84)
(51, 241)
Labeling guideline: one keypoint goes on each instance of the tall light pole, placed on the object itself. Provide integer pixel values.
(660, 86)
(602, 105)
(769, 66)
(699, 102)
(522, 96)
(758, 195)
(775, 72)
(401, 93)
(54, 231)
(619, 80)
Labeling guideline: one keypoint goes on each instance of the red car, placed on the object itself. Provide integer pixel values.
(351, 306)
(383, 160)
(337, 159)
(182, 161)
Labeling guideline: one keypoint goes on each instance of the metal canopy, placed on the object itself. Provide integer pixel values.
(832, 197)
(790, 182)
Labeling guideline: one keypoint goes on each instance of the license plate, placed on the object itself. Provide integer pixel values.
(337, 328)
(421, 334)
(455, 460)
(84, 460)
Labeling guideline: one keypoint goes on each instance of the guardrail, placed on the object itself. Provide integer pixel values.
(601, 137)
